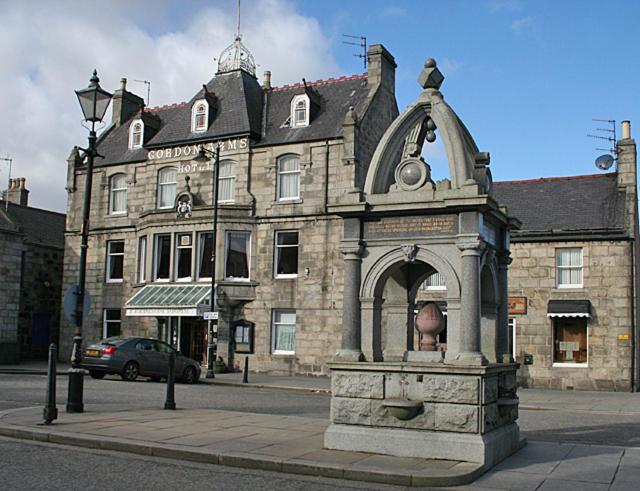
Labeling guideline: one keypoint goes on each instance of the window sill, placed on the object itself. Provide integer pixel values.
(284, 354)
(287, 201)
(238, 280)
(286, 277)
(569, 287)
(117, 215)
(112, 282)
(570, 365)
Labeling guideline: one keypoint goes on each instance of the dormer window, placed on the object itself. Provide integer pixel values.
(136, 132)
(300, 111)
(199, 116)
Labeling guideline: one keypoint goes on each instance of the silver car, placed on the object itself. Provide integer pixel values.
(131, 357)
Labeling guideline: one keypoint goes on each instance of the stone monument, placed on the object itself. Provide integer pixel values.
(401, 227)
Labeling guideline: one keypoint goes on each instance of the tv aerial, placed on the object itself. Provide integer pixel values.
(605, 161)
(361, 43)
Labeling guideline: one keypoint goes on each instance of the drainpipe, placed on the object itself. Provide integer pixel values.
(326, 176)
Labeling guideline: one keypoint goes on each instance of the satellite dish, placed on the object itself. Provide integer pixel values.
(604, 162)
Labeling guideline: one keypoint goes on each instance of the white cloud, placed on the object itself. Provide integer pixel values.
(520, 24)
(450, 66)
(49, 49)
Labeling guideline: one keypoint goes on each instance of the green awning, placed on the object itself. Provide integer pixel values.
(169, 300)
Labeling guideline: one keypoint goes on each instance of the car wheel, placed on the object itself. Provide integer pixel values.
(189, 376)
(97, 375)
(130, 371)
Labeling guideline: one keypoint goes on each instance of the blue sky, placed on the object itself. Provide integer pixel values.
(526, 77)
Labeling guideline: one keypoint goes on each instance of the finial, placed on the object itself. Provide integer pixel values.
(93, 81)
(430, 77)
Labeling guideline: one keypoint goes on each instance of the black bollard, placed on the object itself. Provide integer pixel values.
(170, 403)
(50, 411)
(245, 375)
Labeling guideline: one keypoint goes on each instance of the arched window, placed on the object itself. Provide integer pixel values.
(288, 182)
(435, 282)
(300, 111)
(199, 116)
(167, 187)
(136, 134)
(227, 181)
(117, 194)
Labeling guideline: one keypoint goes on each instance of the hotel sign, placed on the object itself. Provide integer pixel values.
(188, 152)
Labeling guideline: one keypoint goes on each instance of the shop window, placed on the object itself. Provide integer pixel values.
(286, 254)
(205, 244)
(117, 194)
(115, 260)
(142, 259)
(236, 264)
(167, 178)
(111, 323)
(283, 332)
(184, 253)
(570, 341)
(569, 267)
(288, 178)
(162, 257)
(227, 181)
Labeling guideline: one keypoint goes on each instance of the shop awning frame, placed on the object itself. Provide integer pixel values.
(168, 300)
(569, 308)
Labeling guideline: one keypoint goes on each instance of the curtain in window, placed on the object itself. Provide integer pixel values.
(226, 181)
(569, 266)
(204, 255)
(118, 194)
(289, 175)
(436, 280)
(167, 187)
(285, 326)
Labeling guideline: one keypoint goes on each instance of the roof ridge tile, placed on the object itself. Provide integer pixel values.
(556, 179)
(327, 81)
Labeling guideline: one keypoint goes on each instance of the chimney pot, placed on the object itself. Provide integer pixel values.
(266, 84)
(17, 192)
(626, 129)
(123, 83)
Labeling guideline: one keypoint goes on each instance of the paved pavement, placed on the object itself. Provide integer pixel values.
(293, 444)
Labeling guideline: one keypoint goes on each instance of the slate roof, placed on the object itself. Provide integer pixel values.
(240, 106)
(41, 227)
(575, 205)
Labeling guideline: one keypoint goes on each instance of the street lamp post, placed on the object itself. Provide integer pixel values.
(205, 155)
(94, 101)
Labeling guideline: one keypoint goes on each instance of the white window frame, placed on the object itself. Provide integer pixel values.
(136, 138)
(195, 127)
(276, 256)
(112, 193)
(156, 258)
(280, 173)
(226, 250)
(199, 251)
(300, 122)
(105, 322)
(580, 268)
(437, 286)
(556, 364)
(176, 256)
(512, 322)
(141, 259)
(230, 177)
(274, 336)
(109, 256)
(168, 183)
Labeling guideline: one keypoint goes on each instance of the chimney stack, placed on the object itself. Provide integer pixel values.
(17, 193)
(266, 81)
(382, 68)
(125, 104)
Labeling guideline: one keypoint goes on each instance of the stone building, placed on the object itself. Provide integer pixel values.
(287, 153)
(574, 276)
(32, 245)
(289, 156)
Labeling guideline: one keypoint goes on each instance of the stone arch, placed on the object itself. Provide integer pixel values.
(459, 145)
(371, 284)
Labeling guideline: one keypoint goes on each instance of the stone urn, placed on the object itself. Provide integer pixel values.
(429, 323)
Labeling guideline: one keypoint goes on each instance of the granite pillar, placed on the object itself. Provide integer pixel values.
(351, 349)
(470, 304)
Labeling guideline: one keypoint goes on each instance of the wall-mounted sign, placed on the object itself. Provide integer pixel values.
(411, 226)
(517, 305)
(623, 337)
(188, 152)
